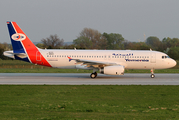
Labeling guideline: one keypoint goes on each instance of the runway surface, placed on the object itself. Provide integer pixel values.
(84, 79)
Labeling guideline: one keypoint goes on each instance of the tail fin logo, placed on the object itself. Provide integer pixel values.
(18, 37)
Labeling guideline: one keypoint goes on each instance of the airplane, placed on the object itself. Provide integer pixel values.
(109, 62)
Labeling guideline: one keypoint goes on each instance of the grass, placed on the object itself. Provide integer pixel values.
(50, 102)
(15, 66)
(73, 102)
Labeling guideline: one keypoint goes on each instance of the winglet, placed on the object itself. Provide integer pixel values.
(69, 58)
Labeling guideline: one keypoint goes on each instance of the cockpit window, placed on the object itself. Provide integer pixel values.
(164, 57)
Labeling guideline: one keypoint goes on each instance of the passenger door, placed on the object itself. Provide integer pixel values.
(152, 57)
(38, 56)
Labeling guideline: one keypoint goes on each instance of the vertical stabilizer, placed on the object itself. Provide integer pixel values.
(22, 45)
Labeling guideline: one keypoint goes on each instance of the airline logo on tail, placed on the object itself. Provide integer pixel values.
(18, 37)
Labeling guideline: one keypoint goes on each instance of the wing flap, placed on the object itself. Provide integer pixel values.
(92, 63)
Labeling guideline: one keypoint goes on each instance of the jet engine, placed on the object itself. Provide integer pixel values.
(112, 70)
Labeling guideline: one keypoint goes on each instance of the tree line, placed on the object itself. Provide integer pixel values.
(92, 39)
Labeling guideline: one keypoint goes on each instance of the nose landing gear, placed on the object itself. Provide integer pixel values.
(152, 73)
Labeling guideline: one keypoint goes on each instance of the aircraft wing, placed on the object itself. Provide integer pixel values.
(92, 63)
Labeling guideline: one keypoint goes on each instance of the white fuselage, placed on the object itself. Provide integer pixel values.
(130, 59)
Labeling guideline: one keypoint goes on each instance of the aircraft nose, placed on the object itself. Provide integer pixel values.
(173, 63)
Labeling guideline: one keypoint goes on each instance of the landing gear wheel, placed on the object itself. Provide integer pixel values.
(96, 74)
(152, 75)
(93, 75)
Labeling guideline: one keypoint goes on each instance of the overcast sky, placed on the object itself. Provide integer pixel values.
(67, 18)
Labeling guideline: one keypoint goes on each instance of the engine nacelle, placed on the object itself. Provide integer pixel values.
(112, 70)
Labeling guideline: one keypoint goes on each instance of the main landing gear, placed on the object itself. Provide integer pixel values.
(152, 73)
(93, 75)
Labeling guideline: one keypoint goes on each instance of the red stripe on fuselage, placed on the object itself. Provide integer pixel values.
(31, 49)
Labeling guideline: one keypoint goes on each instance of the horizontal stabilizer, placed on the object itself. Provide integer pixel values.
(11, 54)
